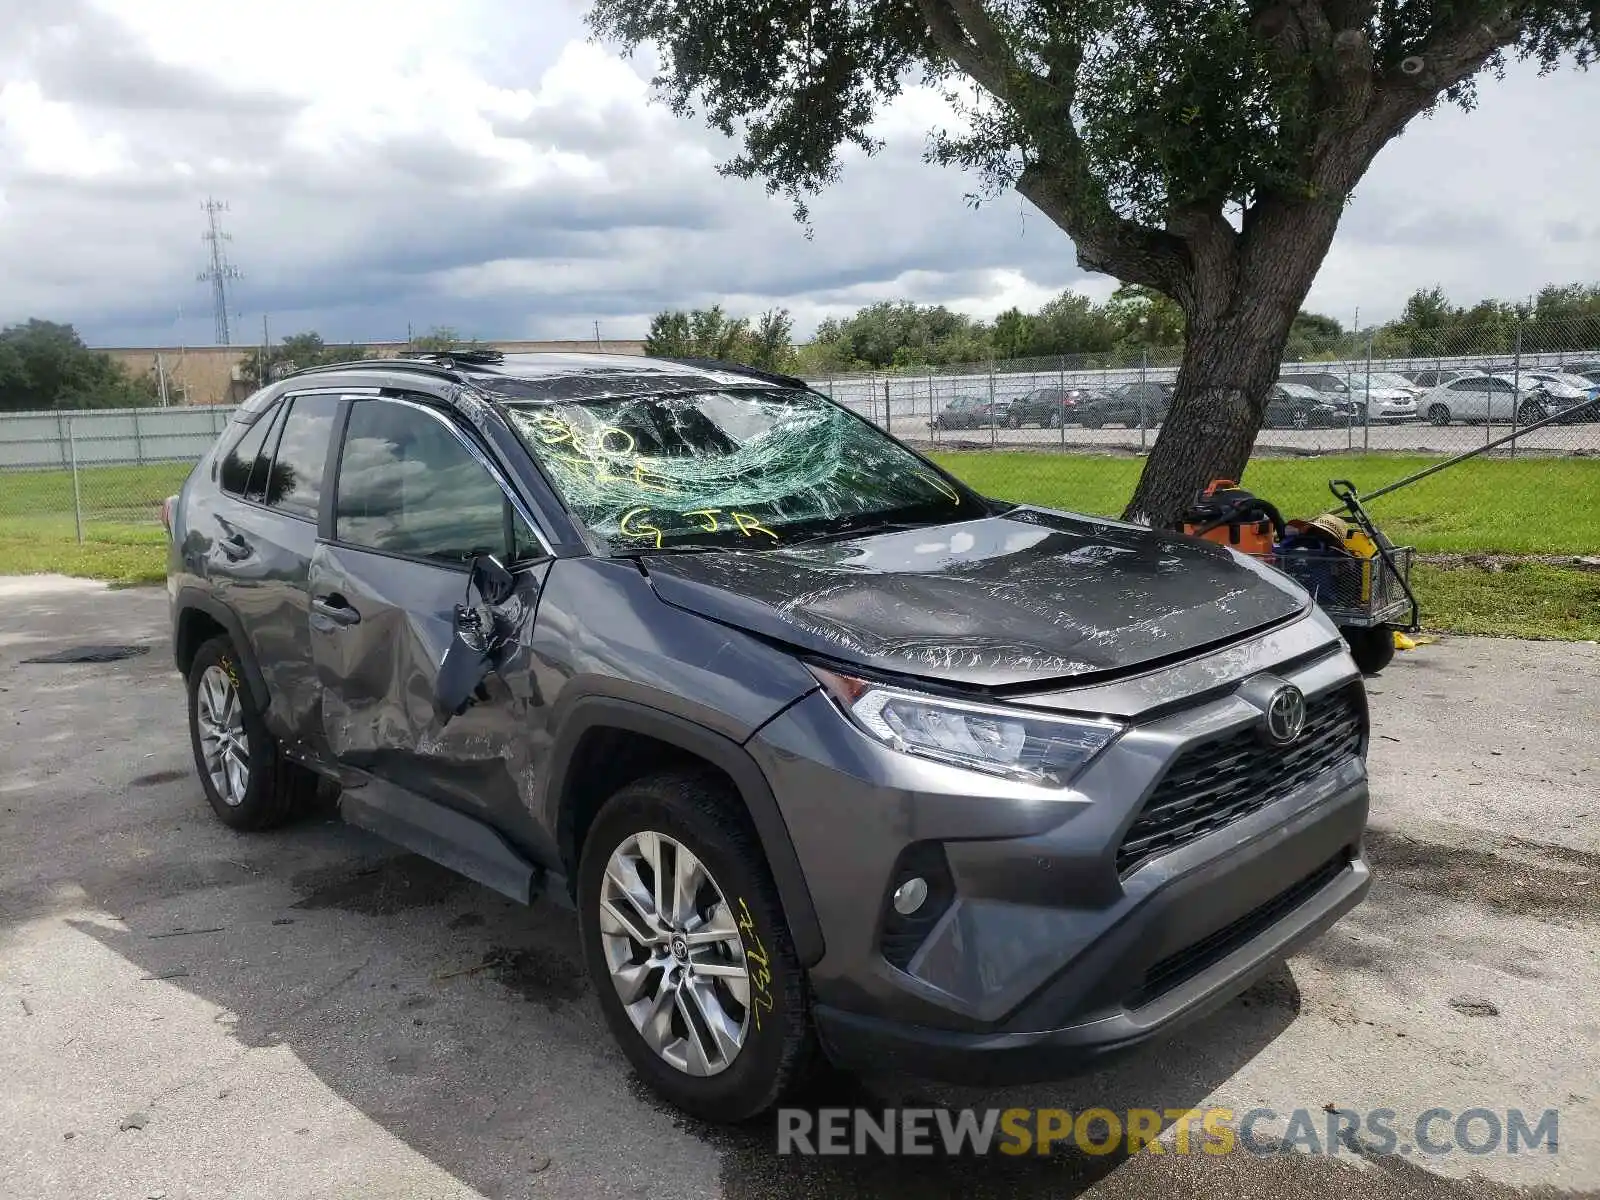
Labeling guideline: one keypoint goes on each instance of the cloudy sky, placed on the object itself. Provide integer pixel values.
(480, 164)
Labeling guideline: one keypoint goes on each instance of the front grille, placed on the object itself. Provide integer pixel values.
(1218, 782)
(1191, 960)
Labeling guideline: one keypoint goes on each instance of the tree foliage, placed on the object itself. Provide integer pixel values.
(45, 365)
(1204, 149)
(295, 353)
(440, 339)
(712, 333)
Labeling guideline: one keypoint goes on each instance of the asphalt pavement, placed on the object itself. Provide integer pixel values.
(186, 1012)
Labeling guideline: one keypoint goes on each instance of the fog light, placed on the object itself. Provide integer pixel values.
(908, 897)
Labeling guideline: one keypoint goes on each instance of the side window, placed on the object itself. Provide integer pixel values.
(408, 486)
(1461, 385)
(250, 455)
(295, 483)
(1500, 385)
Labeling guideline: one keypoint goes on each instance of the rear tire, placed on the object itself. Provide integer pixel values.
(1438, 414)
(1371, 647)
(695, 813)
(247, 781)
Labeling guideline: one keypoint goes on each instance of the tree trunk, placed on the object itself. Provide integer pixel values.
(1238, 319)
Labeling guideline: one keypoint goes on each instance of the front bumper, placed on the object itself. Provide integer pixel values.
(1042, 956)
(1235, 956)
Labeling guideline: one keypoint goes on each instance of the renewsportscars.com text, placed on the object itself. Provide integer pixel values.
(1043, 1131)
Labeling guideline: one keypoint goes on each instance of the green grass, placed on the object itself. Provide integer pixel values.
(123, 539)
(1508, 506)
(1522, 506)
(1525, 600)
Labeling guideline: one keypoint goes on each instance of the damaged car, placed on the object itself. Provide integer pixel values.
(832, 755)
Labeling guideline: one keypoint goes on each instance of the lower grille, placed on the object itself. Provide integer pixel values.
(1217, 782)
(1179, 968)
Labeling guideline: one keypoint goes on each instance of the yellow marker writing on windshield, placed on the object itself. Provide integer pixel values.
(708, 514)
(746, 523)
(627, 525)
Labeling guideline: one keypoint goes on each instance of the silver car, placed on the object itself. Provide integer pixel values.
(1479, 398)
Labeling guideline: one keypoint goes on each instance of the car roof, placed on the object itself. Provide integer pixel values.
(530, 377)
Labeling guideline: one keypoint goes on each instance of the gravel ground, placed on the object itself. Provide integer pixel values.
(185, 1012)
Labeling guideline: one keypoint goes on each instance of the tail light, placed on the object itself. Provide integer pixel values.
(166, 514)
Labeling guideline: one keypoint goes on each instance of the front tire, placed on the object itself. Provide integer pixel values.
(247, 780)
(1438, 414)
(1531, 413)
(697, 977)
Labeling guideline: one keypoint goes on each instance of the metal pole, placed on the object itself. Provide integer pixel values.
(1061, 365)
(1476, 450)
(77, 497)
(1516, 381)
(887, 420)
(1144, 365)
(994, 429)
(138, 440)
(1366, 425)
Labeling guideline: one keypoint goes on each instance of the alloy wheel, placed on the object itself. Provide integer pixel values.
(672, 946)
(224, 745)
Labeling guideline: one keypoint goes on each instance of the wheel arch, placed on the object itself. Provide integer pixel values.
(605, 743)
(196, 619)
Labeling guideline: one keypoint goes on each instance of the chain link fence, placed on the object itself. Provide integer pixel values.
(1072, 431)
(1068, 432)
(98, 474)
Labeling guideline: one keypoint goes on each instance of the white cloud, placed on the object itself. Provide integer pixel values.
(482, 165)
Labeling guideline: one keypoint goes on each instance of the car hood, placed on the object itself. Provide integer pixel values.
(1029, 597)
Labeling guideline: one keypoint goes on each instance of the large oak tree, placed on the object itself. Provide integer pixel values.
(1202, 148)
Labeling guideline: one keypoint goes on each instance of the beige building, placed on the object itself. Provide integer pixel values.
(210, 374)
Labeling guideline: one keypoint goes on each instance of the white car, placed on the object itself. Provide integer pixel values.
(1479, 398)
(1559, 385)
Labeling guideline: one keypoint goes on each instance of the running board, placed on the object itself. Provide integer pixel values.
(452, 839)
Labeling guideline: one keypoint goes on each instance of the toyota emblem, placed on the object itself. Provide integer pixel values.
(1286, 715)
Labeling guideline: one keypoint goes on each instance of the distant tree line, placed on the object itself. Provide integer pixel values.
(45, 365)
(712, 333)
(1136, 324)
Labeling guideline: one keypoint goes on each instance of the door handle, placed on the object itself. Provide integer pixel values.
(234, 546)
(336, 608)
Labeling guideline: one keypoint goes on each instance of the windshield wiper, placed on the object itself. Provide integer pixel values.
(848, 527)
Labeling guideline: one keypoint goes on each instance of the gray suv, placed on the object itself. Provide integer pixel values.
(831, 754)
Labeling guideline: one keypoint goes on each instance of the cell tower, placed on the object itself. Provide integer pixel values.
(220, 270)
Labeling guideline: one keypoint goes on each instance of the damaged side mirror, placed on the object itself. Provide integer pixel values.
(491, 580)
(475, 641)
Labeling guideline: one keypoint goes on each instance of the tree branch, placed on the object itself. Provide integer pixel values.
(1448, 58)
(1058, 179)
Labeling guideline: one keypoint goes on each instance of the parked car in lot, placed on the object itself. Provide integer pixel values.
(1145, 402)
(967, 412)
(1395, 403)
(1564, 392)
(1047, 407)
(1296, 406)
(1476, 399)
(1435, 377)
(827, 750)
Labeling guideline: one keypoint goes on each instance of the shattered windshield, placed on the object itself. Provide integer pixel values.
(744, 468)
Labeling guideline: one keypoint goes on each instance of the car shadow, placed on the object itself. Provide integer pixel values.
(462, 1024)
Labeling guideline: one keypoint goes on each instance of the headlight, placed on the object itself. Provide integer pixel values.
(982, 737)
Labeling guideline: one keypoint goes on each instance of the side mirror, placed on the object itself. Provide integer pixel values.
(491, 579)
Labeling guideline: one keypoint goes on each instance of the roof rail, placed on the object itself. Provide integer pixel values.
(731, 368)
(376, 364)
